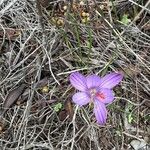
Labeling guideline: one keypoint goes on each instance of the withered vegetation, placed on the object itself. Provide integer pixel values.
(42, 42)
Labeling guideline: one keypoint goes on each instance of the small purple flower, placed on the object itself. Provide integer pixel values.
(95, 89)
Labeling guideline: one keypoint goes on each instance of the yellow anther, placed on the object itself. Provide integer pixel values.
(88, 19)
(102, 7)
(45, 89)
(65, 7)
(60, 22)
(81, 3)
(84, 14)
(87, 14)
(84, 20)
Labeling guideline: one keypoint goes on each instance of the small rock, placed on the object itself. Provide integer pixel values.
(136, 144)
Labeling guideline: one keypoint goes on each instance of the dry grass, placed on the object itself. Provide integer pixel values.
(41, 43)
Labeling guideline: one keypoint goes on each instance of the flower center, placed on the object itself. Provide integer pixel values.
(93, 92)
(99, 95)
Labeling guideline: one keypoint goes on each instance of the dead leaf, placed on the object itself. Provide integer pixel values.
(42, 83)
(62, 115)
(2, 126)
(69, 109)
(13, 96)
(24, 97)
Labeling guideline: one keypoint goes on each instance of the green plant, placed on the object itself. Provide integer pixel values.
(125, 20)
(58, 107)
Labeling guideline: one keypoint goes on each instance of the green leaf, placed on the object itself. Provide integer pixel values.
(58, 107)
(125, 20)
(130, 118)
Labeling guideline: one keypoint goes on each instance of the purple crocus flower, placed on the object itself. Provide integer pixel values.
(95, 89)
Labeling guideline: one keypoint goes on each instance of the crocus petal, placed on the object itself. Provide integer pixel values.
(100, 112)
(105, 95)
(78, 81)
(93, 81)
(111, 80)
(81, 98)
